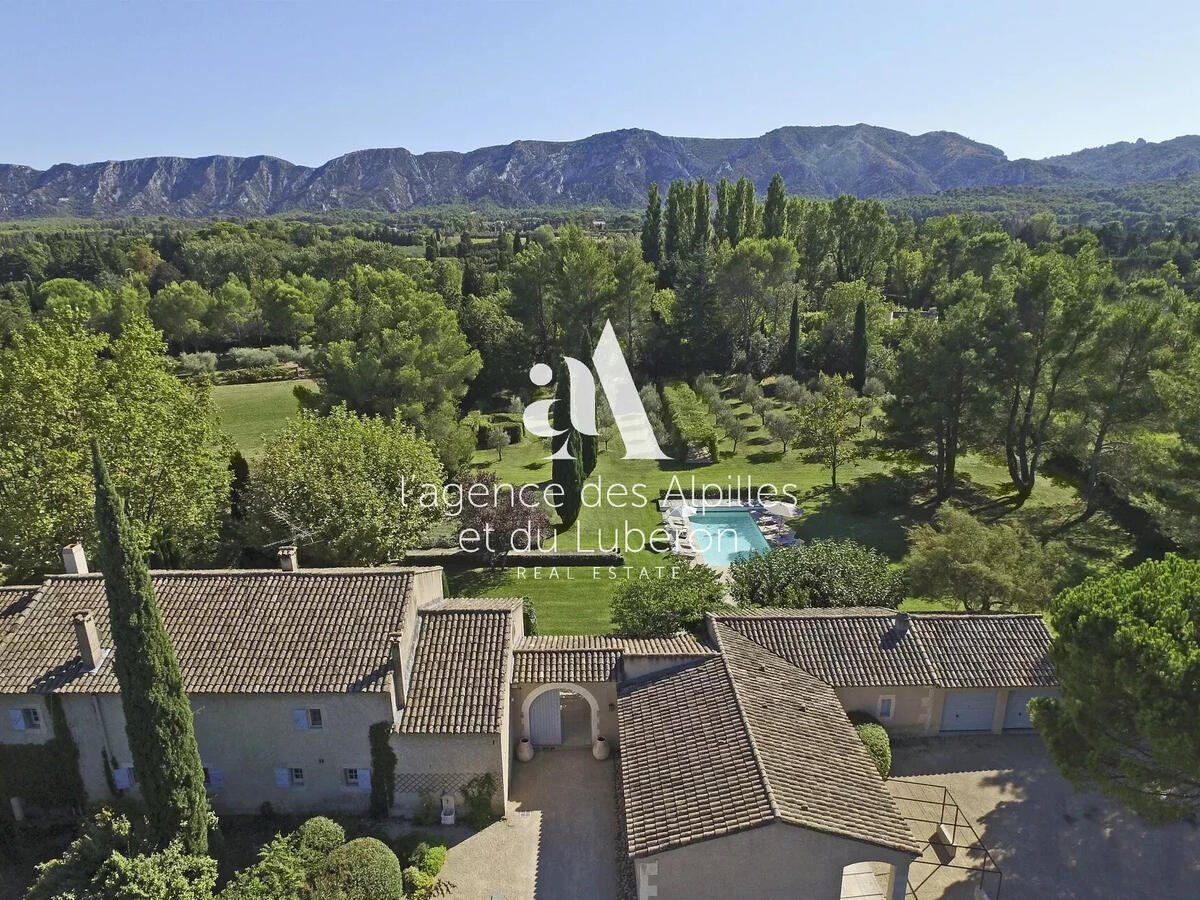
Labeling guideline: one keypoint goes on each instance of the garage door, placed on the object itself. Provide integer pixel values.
(1016, 714)
(545, 720)
(969, 711)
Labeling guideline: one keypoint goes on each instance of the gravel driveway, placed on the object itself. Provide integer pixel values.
(1049, 840)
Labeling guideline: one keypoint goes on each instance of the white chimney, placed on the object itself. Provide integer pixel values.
(74, 559)
(288, 560)
(87, 638)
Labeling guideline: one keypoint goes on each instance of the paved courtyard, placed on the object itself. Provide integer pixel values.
(557, 841)
(1049, 840)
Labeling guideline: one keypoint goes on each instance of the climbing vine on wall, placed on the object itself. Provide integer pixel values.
(383, 769)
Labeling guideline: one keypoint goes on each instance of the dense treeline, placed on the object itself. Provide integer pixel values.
(1042, 345)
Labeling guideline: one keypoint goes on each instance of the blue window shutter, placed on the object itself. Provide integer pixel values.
(300, 719)
(16, 718)
(121, 779)
(364, 778)
(283, 778)
(216, 779)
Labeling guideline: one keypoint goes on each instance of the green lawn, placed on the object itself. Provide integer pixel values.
(251, 412)
(873, 506)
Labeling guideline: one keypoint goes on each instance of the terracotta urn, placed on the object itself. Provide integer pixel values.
(600, 748)
(524, 750)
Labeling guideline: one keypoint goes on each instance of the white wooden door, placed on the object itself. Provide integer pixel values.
(545, 720)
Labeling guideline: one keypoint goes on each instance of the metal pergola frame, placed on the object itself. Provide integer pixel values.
(938, 809)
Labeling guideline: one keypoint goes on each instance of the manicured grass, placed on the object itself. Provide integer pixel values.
(251, 412)
(874, 505)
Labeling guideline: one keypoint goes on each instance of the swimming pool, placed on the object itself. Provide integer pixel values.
(721, 536)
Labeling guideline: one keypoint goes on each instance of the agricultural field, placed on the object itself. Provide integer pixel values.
(881, 494)
(252, 412)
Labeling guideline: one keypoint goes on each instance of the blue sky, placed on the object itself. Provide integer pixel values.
(308, 81)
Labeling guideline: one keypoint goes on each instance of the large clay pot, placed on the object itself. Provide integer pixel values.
(524, 750)
(600, 748)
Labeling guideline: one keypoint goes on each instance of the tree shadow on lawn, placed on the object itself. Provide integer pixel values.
(474, 582)
(875, 510)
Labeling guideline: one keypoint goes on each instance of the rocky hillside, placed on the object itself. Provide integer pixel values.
(610, 169)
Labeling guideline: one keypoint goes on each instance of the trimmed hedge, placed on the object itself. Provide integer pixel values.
(363, 869)
(875, 739)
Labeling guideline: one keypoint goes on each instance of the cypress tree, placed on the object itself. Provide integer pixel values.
(516, 242)
(721, 219)
(566, 473)
(858, 348)
(791, 355)
(775, 215)
(701, 225)
(748, 207)
(652, 235)
(158, 719)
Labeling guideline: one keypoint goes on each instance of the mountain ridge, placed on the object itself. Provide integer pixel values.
(609, 169)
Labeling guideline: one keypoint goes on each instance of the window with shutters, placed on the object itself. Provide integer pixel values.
(357, 777)
(296, 777)
(350, 777)
(27, 719)
(306, 719)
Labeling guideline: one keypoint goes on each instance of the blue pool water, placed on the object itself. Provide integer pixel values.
(723, 535)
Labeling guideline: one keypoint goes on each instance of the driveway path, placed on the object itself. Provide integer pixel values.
(558, 841)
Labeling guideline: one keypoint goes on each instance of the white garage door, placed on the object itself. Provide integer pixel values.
(969, 711)
(1016, 714)
(545, 720)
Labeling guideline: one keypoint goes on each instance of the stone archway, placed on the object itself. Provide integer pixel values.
(541, 689)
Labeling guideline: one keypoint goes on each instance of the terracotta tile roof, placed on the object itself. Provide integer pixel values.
(842, 650)
(558, 666)
(860, 647)
(739, 741)
(675, 645)
(316, 630)
(992, 650)
(460, 675)
(543, 659)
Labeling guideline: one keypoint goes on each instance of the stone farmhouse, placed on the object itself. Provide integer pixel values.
(739, 772)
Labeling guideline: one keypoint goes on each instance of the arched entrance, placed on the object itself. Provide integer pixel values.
(560, 713)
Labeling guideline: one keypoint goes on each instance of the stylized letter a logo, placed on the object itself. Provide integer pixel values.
(628, 412)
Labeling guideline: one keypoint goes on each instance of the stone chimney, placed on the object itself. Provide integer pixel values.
(289, 561)
(902, 623)
(87, 638)
(74, 559)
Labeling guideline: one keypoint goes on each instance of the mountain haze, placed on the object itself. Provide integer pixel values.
(611, 169)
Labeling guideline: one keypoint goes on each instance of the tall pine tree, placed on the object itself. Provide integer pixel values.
(652, 236)
(158, 719)
(775, 214)
(566, 473)
(858, 348)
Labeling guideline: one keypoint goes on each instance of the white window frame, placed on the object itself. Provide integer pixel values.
(33, 718)
(891, 699)
(362, 780)
(293, 780)
(346, 777)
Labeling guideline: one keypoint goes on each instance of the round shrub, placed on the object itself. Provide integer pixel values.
(878, 744)
(429, 858)
(363, 869)
(417, 885)
(321, 835)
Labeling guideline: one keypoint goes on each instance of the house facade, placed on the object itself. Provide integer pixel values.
(739, 771)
